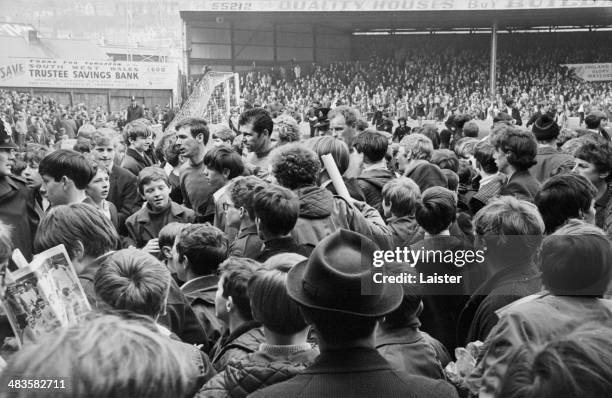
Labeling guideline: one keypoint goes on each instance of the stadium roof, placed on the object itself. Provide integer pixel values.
(50, 48)
(364, 15)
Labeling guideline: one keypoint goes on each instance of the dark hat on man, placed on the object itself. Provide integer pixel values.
(322, 118)
(5, 139)
(509, 101)
(598, 114)
(338, 277)
(545, 128)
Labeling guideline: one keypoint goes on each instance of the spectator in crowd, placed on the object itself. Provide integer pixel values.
(321, 213)
(401, 130)
(241, 216)
(371, 147)
(576, 269)
(65, 174)
(197, 252)
(17, 203)
(549, 160)
(513, 111)
(285, 351)
(574, 365)
(97, 192)
(400, 198)
(144, 225)
(89, 359)
(566, 196)
(135, 111)
(123, 192)
(401, 342)
(276, 212)
(223, 135)
(222, 165)
(435, 213)
(134, 281)
(286, 130)
(543, 109)
(342, 124)
(32, 176)
(340, 153)
(191, 139)
(89, 238)
(167, 236)
(515, 154)
(471, 129)
(490, 179)
(414, 154)
(594, 161)
(595, 123)
(243, 335)
(512, 232)
(139, 139)
(345, 323)
(445, 159)
(256, 127)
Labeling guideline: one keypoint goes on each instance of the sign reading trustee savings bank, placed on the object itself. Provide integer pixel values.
(63, 73)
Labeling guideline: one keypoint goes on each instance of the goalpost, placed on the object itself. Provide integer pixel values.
(212, 99)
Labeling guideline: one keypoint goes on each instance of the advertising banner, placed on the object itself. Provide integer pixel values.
(592, 72)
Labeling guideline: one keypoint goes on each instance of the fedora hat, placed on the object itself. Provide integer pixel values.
(338, 277)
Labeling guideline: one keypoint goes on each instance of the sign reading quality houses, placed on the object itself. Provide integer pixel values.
(62, 73)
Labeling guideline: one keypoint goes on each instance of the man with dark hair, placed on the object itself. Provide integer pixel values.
(543, 109)
(139, 138)
(232, 306)
(513, 111)
(515, 154)
(549, 160)
(371, 147)
(321, 213)
(595, 123)
(565, 196)
(256, 127)
(276, 212)
(192, 135)
(17, 204)
(594, 161)
(490, 179)
(197, 252)
(328, 289)
(66, 174)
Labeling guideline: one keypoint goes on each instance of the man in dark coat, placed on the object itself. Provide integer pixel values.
(17, 207)
(512, 110)
(550, 161)
(328, 288)
(515, 154)
(140, 140)
(134, 111)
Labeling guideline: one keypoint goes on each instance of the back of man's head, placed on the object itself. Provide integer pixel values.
(134, 281)
(277, 209)
(235, 275)
(294, 166)
(70, 164)
(372, 144)
(203, 246)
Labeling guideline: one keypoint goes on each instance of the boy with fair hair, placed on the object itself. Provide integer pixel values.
(414, 157)
(400, 198)
(144, 226)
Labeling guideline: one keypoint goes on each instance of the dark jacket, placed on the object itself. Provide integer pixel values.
(352, 187)
(237, 345)
(135, 162)
(179, 317)
(521, 185)
(134, 112)
(276, 246)
(426, 175)
(516, 115)
(123, 193)
(111, 208)
(405, 230)
(247, 243)
(443, 302)
(409, 350)
(258, 370)
(478, 315)
(358, 372)
(200, 293)
(18, 210)
(371, 183)
(550, 161)
(141, 228)
(321, 213)
(400, 132)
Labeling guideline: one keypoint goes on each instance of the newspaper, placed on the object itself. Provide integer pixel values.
(43, 295)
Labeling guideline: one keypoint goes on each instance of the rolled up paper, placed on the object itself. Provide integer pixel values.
(335, 176)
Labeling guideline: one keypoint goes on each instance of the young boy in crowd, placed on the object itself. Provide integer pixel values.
(276, 212)
(144, 225)
(139, 137)
(400, 198)
(65, 174)
(232, 306)
(197, 252)
(165, 240)
(134, 281)
(97, 192)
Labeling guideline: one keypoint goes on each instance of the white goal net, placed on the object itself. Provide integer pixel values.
(212, 99)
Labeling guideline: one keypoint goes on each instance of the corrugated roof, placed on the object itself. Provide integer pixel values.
(51, 48)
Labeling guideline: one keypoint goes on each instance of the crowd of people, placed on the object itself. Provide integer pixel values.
(244, 259)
